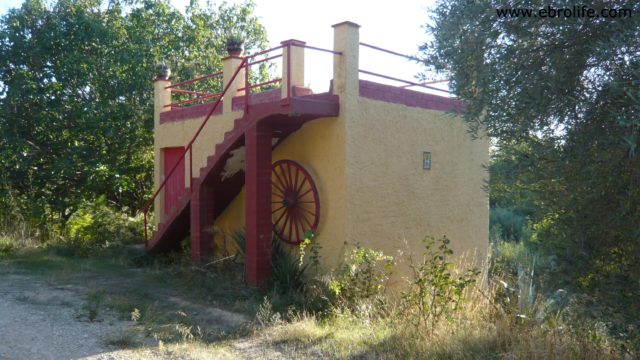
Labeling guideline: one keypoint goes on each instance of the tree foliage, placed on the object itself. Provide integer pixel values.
(561, 98)
(76, 95)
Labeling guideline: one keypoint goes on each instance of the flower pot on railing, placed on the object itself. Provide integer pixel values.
(162, 72)
(234, 44)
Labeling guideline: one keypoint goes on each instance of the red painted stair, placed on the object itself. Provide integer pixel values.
(285, 117)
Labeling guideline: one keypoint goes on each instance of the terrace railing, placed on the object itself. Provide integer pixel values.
(407, 83)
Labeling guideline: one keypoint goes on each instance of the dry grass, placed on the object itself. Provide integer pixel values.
(478, 331)
(191, 350)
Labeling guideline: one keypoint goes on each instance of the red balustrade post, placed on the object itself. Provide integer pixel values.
(258, 204)
(292, 67)
(191, 168)
(247, 89)
(289, 61)
(202, 221)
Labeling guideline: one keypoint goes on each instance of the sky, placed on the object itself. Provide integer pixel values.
(394, 25)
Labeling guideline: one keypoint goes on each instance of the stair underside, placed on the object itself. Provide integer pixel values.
(285, 118)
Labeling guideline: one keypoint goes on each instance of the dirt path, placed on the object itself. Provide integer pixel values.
(40, 321)
(43, 321)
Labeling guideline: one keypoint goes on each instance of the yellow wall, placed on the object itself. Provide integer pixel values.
(393, 201)
(372, 166)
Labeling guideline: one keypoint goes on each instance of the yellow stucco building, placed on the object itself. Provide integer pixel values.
(366, 163)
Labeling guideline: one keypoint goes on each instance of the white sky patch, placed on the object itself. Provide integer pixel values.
(396, 26)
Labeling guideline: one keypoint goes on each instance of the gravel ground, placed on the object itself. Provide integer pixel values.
(39, 321)
(42, 321)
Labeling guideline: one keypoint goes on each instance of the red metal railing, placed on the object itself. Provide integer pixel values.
(317, 48)
(248, 87)
(245, 64)
(201, 95)
(285, 47)
(406, 82)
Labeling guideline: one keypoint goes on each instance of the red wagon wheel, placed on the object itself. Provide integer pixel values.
(295, 205)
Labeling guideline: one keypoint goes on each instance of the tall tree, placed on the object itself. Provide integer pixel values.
(76, 98)
(561, 97)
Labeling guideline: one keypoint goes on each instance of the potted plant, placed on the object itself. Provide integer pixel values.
(234, 44)
(162, 71)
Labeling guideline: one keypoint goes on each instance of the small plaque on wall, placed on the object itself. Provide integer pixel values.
(426, 160)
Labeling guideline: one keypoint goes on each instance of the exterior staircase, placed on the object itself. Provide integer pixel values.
(283, 116)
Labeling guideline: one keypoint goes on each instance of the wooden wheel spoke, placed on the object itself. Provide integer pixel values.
(284, 175)
(306, 192)
(281, 216)
(286, 220)
(308, 222)
(297, 222)
(289, 177)
(278, 187)
(278, 209)
(279, 178)
(296, 181)
(309, 211)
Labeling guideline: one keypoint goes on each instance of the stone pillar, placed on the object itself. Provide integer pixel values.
(229, 66)
(161, 97)
(202, 221)
(258, 204)
(346, 39)
(292, 66)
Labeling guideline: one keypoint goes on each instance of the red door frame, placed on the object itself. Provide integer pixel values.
(175, 186)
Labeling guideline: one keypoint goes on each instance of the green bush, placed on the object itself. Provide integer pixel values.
(96, 226)
(362, 276)
(435, 292)
(6, 246)
(512, 223)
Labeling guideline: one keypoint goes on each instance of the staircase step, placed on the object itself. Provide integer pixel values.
(210, 161)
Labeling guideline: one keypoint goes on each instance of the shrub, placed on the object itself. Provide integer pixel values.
(314, 250)
(509, 224)
(97, 226)
(6, 246)
(435, 291)
(362, 276)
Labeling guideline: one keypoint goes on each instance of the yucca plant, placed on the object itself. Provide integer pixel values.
(287, 272)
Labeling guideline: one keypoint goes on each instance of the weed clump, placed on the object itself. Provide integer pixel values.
(96, 227)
